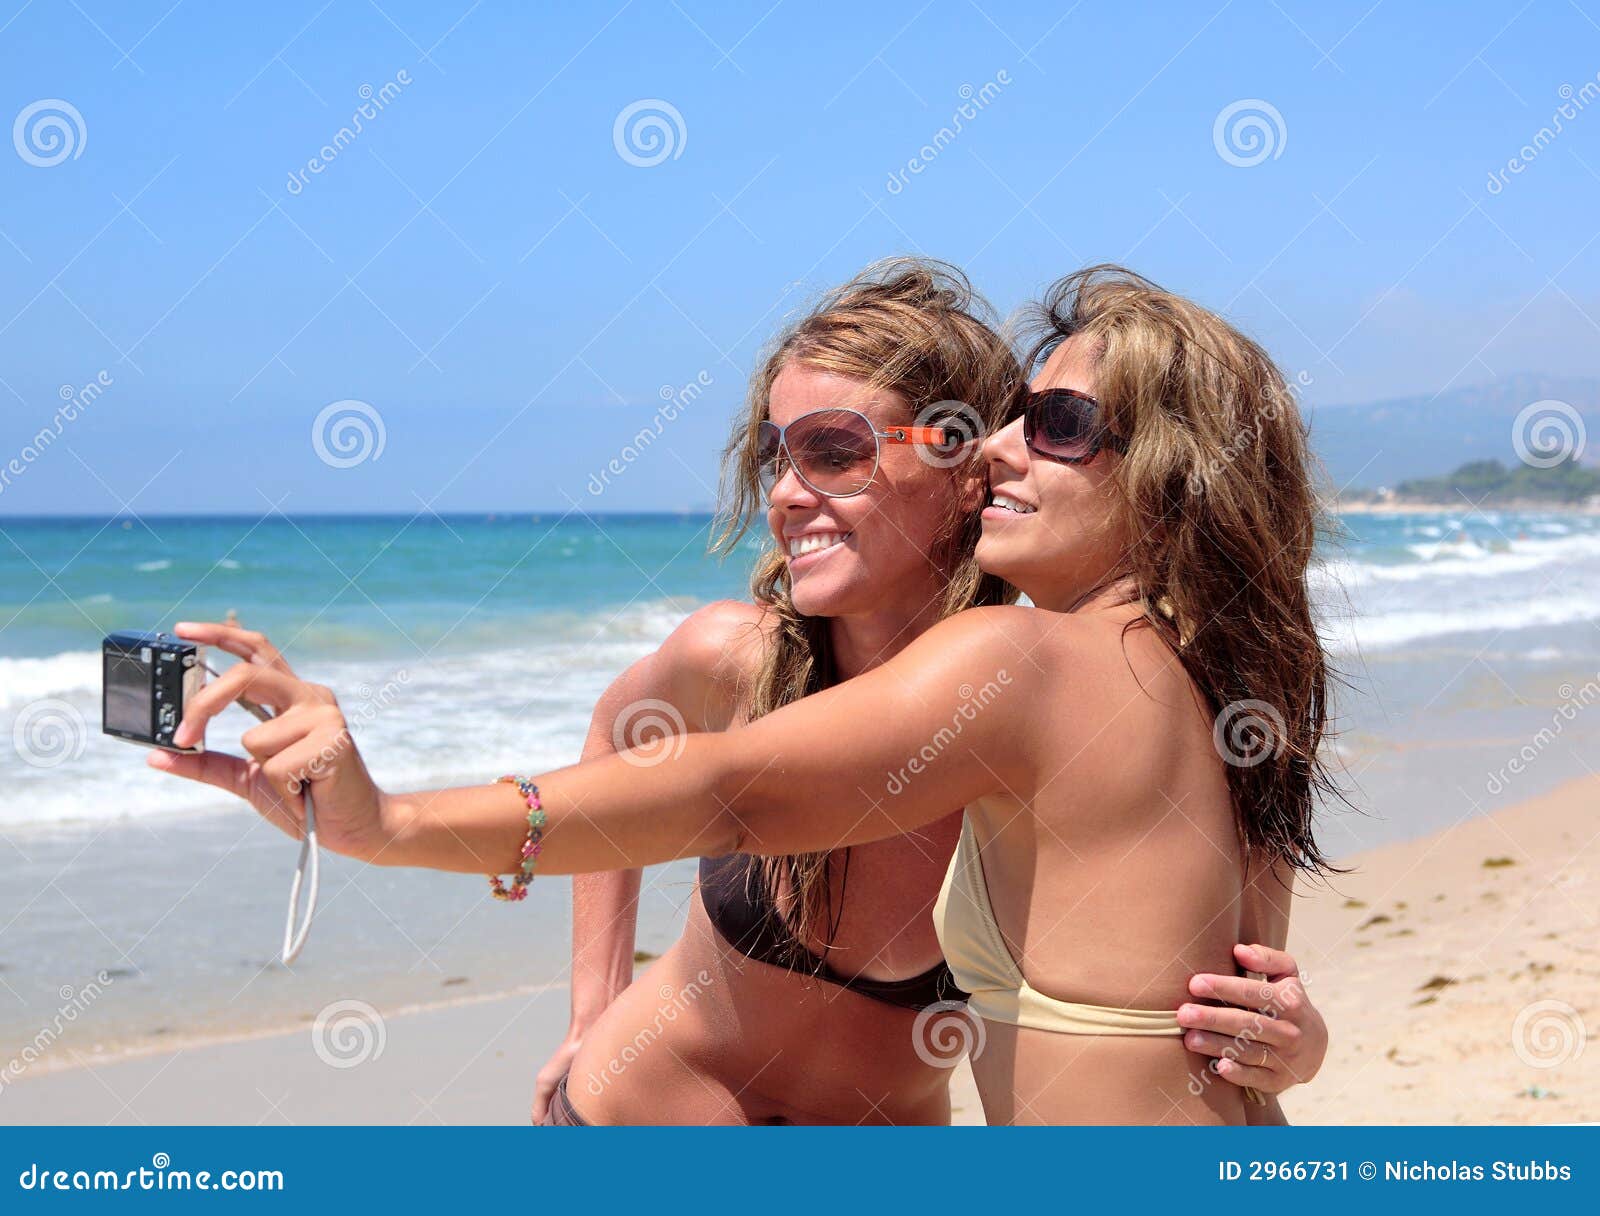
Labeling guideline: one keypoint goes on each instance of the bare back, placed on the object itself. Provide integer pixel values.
(1131, 820)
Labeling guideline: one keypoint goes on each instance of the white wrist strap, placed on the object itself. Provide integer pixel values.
(294, 942)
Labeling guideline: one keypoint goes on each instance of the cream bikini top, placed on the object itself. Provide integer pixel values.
(983, 966)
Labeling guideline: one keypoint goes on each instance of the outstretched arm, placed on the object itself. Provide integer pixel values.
(942, 723)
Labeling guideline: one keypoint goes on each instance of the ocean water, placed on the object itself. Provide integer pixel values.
(453, 643)
(464, 647)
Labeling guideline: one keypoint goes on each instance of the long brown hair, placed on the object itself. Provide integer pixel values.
(914, 327)
(1217, 498)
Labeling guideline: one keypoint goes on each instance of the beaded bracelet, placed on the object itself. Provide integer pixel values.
(530, 847)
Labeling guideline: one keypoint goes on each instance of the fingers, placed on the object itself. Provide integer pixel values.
(1224, 1047)
(1241, 1024)
(272, 736)
(543, 1088)
(1274, 964)
(1264, 1079)
(209, 768)
(265, 685)
(248, 644)
(291, 770)
(238, 777)
(1269, 997)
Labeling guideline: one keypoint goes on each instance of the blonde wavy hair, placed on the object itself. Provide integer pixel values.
(914, 327)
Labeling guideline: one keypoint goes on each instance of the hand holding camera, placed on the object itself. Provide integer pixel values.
(306, 748)
(305, 775)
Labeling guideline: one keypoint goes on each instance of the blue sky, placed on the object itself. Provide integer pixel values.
(511, 298)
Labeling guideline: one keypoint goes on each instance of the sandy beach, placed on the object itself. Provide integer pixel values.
(1459, 974)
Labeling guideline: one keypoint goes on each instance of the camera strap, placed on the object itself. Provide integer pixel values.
(294, 941)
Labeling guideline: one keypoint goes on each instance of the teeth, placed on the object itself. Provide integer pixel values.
(1011, 504)
(815, 541)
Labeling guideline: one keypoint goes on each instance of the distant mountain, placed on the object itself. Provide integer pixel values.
(1387, 442)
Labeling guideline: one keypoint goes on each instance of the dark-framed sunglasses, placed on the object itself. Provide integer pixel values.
(1066, 426)
(834, 452)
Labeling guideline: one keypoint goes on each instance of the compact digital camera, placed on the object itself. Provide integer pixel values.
(148, 678)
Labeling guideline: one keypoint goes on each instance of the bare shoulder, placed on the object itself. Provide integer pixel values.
(707, 664)
(1066, 655)
(723, 641)
(982, 643)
